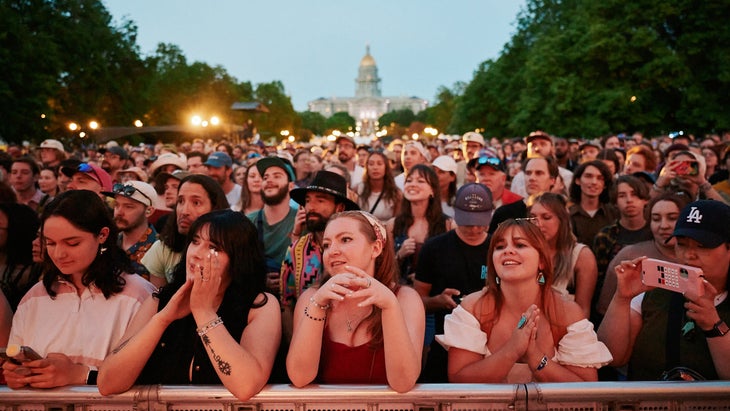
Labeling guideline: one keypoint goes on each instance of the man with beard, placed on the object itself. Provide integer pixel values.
(134, 204)
(347, 155)
(220, 168)
(275, 221)
(302, 265)
(196, 195)
(114, 159)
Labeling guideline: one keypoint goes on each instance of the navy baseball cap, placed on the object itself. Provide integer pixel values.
(473, 205)
(705, 221)
(219, 159)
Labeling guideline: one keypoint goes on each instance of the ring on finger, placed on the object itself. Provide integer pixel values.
(332, 286)
(369, 282)
(522, 322)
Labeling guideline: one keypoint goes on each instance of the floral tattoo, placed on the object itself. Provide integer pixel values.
(223, 366)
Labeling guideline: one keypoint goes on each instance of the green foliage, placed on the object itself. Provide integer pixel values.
(314, 122)
(573, 67)
(403, 117)
(341, 121)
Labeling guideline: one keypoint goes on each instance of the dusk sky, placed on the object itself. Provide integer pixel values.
(314, 47)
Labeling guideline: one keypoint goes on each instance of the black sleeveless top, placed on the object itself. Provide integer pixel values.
(180, 344)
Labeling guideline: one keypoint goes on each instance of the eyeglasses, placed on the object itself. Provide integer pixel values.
(128, 191)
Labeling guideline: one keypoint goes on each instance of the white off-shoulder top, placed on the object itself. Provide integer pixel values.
(579, 346)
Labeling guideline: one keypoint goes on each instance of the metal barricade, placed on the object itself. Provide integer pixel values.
(642, 396)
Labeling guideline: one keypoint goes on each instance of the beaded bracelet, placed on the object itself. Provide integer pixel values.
(306, 313)
(542, 364)
(202, 330)
(318, 305)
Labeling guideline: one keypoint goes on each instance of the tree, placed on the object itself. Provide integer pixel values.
(341, 121)
(574, 68)
(313, 122)
(403, 117)
(281, 114)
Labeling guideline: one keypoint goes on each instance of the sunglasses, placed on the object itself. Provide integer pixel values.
(86, 168)
(128, 191)
(492, 161)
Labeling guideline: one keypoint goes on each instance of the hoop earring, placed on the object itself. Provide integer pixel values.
(540, 278)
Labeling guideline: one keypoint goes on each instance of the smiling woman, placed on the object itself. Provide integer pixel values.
(518, 329)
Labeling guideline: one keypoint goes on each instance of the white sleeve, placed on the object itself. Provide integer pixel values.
(462, 330)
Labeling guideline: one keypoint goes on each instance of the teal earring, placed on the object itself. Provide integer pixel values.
(496, 280)
(540, 278)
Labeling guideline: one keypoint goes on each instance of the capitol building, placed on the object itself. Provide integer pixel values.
(368, 104)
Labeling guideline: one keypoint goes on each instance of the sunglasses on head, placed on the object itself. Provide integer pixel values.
(86, 168)
(127, 190)
(492, 161)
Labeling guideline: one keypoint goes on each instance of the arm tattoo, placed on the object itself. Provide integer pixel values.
(116, 350)
(223, 366)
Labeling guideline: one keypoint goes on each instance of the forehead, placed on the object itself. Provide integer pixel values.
(341, 225)
(540, 142)
(126, 201)
(591, 171)
(345, 144)
(537, 163)
(320, 196)
(83, 177)
(624, 187)
(192, 190)
(60, 227)
(19, 165)
(172, 181)
(665, 206)
(275, 171)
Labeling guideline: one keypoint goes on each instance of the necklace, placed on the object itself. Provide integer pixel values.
(350, 322)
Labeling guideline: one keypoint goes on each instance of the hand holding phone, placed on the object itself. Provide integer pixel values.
(673, 277)
(18, 355)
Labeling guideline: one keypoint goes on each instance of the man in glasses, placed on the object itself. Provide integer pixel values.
(134, 203)
(114, 160)
(539, 144)
(88, 176)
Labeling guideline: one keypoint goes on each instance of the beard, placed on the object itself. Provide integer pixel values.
(126, 226)
(316, 222)
(276, 198)
(343, 157)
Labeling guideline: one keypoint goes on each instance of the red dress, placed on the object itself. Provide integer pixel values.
(342, 364)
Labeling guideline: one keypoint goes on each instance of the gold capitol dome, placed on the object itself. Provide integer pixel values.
(367, 60)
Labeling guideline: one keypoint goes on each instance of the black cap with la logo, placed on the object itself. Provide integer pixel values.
(705, 221)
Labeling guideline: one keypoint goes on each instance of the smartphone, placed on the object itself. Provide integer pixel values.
(18, 355)
(687, 168)
(673, 277)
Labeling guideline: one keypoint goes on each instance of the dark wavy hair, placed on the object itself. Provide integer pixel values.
(86, 211)
(575, 190)
(169, 234)
(19, 275)
(434, 213)
(237, 237)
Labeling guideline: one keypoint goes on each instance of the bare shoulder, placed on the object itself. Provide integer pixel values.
(264, 304)
(407, 295)
(469, 302)
(570, 310)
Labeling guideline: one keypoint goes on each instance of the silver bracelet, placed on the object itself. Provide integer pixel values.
(202, 330)
(318, 305)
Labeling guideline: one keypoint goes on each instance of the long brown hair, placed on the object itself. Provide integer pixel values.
(434, 212)
(391, 194)
(386, 268)
(490, 304)
(564, 239)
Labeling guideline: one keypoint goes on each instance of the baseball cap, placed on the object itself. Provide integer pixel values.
(219, 159)
(473, 137)
(473, 205)
(539, 134)
(589, 143)
(445, 163)
(486, 157)
(93, 171)
(421, 149)
(266, 162)
(346, 137)
(136, 190)
(119, 151)
(705, 221)
(52, 143)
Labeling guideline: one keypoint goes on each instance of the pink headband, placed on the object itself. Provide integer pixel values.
(378, 227)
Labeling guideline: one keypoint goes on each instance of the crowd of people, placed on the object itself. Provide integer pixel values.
(455, 259)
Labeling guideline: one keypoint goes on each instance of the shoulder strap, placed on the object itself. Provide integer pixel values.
(372, 210)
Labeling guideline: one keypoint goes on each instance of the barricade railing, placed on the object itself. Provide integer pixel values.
(600, 396)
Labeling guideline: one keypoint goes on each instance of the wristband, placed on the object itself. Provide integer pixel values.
(92, 375)
(306, 313)
(318, 305)
(202, 330)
